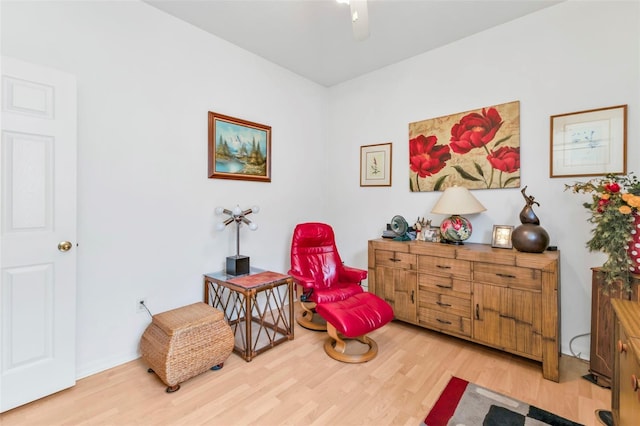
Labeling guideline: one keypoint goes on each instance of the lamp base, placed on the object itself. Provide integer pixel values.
(237, 265)
(455, 229)
(455, 243)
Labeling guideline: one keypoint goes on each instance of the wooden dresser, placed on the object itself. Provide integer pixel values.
(500, 298)
(625, 396)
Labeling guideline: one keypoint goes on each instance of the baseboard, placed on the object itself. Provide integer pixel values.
(101, 365)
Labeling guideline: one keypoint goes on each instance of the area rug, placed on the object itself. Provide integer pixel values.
(465, 404)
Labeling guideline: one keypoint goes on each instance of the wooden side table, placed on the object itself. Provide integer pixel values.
(255, 306)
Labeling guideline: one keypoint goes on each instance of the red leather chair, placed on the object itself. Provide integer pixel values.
(316, 267)
(333, 292)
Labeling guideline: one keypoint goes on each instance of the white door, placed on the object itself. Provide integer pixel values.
(37, 232)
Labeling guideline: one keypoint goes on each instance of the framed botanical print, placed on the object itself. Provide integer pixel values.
(589, 143)
(375, 165)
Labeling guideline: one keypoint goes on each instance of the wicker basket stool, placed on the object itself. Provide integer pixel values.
(184, 342)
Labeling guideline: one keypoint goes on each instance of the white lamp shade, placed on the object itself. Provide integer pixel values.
(219, 210)
(253, 226)
(220, 226)
(457, 200)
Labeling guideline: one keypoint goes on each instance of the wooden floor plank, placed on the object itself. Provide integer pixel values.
(296, 383)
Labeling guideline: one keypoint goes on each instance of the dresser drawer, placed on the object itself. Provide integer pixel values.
(445, 267)
(444, 303)
(508, 276)
(443, 321)
(445, 285)
(395, 259)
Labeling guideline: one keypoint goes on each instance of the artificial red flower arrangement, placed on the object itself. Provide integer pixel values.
(614, 207)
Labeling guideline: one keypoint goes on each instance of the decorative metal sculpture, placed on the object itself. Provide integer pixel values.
(238, 264)
(529, 237)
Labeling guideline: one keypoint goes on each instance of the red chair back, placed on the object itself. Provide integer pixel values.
(314, 253)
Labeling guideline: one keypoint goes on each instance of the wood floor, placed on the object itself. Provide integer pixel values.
(296, 383)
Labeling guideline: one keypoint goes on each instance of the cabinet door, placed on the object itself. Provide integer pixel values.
(508, 318)
(398, 287)
(626, 403)
(602, 326)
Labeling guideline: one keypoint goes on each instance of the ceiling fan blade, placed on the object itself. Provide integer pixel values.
(359, 19)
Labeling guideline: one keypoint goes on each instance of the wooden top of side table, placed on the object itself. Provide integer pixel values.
(254, 280)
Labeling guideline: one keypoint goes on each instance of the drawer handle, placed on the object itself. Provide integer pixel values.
(443, 321)
(634, 382)
(505, 275)
(412, 297)
(477, 311)
(622, 348)
(444, 286)
(443, 266)
(393, 259)
(443, 304)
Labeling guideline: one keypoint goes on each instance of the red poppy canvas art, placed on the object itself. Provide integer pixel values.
(477, 149)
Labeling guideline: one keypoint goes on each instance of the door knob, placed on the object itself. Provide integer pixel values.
(64, 245)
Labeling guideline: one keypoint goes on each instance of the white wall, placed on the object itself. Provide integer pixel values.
(147, 80)
(570, 57)
(146, 207)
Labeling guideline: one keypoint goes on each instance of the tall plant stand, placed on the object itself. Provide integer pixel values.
(602, 326)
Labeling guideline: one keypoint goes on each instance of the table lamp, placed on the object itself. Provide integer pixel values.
(238, 264)
(456, 201)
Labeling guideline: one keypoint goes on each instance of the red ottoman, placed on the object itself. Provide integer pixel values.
(352, 319)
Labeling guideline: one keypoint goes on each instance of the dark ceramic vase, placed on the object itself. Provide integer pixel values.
(529, 237)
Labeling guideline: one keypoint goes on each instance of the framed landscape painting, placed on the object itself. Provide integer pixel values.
(478, 149)
(239, 149)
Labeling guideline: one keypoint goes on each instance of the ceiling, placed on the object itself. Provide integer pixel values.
(313, 38)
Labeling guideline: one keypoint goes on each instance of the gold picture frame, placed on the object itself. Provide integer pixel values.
(239, 149)
(501, 237)
(375, 165)
(589, 143)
